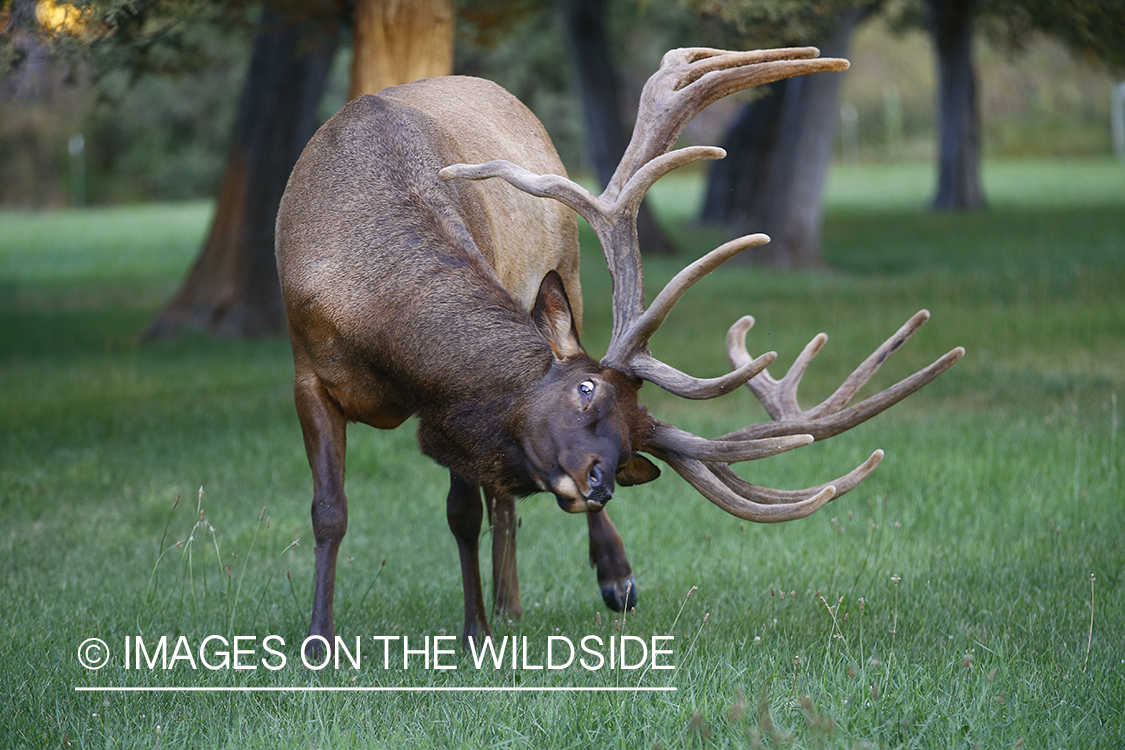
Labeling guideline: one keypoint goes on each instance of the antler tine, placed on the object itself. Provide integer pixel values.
(748, 502)
(672, 439)
(844, 484)
(779, 397)
(629, 200)
(690, 79)
(829, 418)
(705, 59)
(867, 369)
(540, 185)
(719, 484)
(647, 367)
(633, 338)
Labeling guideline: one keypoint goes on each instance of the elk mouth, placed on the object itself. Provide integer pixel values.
(599, 496)
(573, 499)
(582, 505)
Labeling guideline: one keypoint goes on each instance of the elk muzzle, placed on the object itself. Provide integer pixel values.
(601, 488)
(583, 490)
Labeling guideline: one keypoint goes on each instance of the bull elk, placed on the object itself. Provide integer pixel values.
(416, 285)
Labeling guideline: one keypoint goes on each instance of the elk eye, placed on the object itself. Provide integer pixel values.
(586, 388)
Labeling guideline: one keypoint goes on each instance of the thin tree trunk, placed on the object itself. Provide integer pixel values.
(778, 153)
(233, 289)
(606, 135)
(958, 188)
(399, 41)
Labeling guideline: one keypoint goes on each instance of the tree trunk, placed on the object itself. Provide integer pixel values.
(399, 41)
(778, 152)
(233, 289)
(951, 23)
(606, 136)
(749, 143)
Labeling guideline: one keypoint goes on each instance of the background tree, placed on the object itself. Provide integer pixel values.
(598, 83)
(749, 189)
(398, 41)
(1094, 29)
(233, 288)
(780, 146)
(32, 90)
(958, 121)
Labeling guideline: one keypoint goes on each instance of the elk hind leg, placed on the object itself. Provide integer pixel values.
(505, 577)
(325, 434)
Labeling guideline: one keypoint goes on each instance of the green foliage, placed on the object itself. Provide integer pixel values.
(154, 99)
(154, 138)
(1035, 101)
(524, 50)
(779, 23)
(153, 128)
(947, 602)
(1094, 29)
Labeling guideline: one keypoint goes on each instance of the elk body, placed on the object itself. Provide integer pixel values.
(416, 285)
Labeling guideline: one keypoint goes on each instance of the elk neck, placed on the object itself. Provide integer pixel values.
(470, 425)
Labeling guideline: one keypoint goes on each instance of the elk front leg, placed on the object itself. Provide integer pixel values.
(464, 512)
(607, 554)
(325, 433)
(505, 576)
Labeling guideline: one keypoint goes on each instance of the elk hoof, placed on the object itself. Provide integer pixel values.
(318, 650)
(619, 595)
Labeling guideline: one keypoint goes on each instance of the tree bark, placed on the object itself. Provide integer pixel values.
(233, 289)
(778, 152)
(749, 142)
(951, 24)
(399, 41)
(606, 136)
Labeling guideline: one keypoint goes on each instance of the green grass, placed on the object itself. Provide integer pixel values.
(946, 603)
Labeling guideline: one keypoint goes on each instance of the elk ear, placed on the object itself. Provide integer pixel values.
(554, 318)
(637, 470)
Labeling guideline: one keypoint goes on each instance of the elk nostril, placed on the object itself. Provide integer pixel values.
(596, 476)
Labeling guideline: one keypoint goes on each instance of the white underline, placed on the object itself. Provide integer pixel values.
(372, 689)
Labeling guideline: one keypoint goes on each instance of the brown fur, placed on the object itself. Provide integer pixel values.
(457, 302)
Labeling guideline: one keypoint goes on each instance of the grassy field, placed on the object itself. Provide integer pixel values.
(969, 594)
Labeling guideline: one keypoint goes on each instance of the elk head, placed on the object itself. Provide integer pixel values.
(602, 397)
(580, 426)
